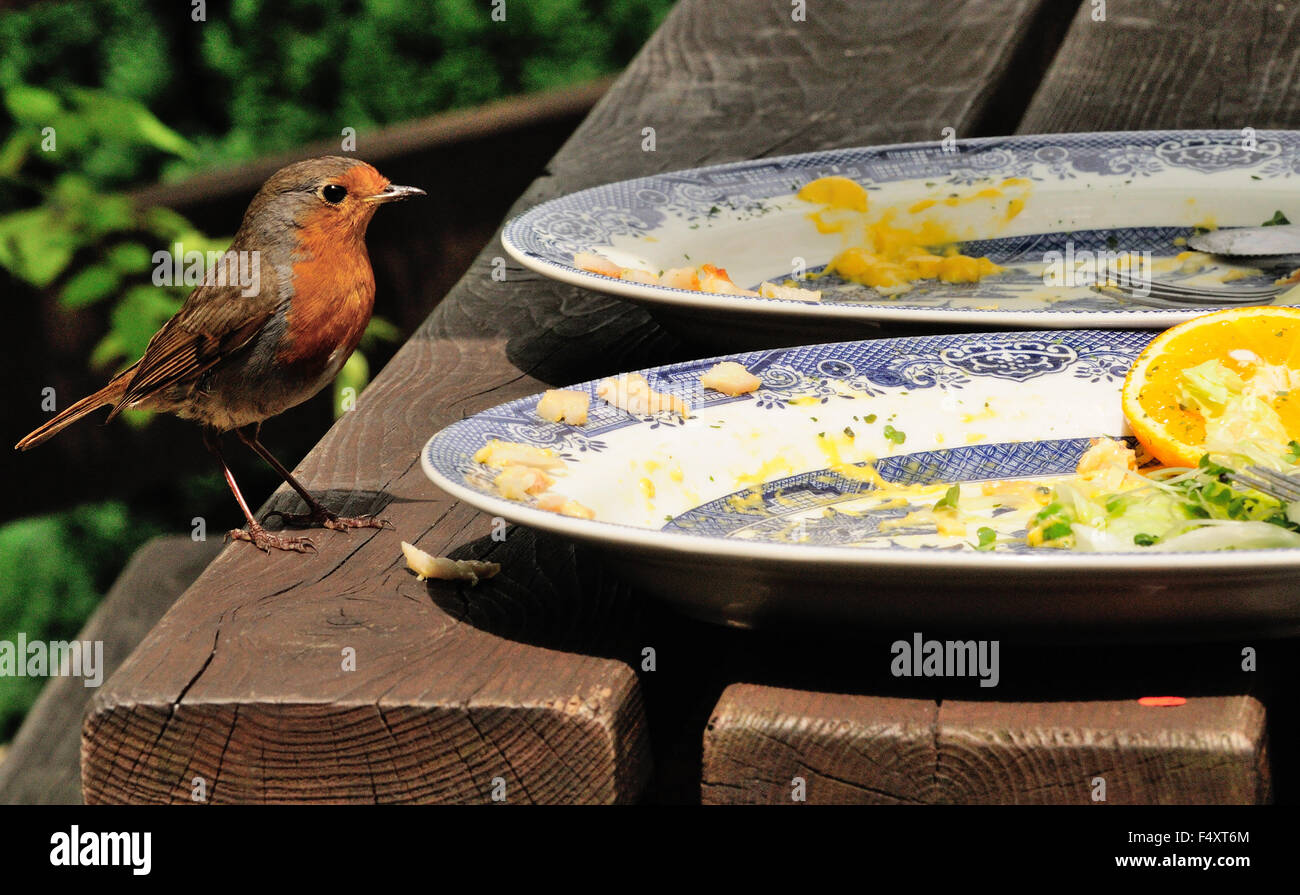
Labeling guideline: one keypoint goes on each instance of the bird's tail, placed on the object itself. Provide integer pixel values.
(109, 394)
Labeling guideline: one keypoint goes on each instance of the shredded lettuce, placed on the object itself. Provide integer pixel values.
(1166, 510)
(1241, 423)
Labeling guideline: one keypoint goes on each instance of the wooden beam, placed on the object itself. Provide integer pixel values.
(762, 741)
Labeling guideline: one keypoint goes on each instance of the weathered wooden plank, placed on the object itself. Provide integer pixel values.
(762, 741)
(240, 683)
(1173, 64)
(43, 765)
(766, 745)
(1211, 751)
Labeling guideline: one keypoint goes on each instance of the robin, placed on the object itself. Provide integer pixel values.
(235, 356)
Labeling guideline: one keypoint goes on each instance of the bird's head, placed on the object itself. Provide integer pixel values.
(332, 197)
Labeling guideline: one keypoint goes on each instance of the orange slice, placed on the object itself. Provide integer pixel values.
(1242, 339)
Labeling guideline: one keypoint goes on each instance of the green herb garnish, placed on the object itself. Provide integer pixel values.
(950, 498)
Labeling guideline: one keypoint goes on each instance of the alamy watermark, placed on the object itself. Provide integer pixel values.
(946, 658)
(56, 658)
(178, 267)
(90, 849)
(1084, 267)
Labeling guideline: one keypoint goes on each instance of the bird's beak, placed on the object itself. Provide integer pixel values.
(394, 193)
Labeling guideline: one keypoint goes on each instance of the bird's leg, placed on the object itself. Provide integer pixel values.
(256, 535)
(318, 516)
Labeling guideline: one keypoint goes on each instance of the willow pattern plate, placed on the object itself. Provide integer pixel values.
(699, 511)
(1082, 193)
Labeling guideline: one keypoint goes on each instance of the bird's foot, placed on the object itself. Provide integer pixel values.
(264, 540)
(323, 518)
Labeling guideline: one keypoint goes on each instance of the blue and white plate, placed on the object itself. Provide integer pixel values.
(1081, 195)
(703, 511)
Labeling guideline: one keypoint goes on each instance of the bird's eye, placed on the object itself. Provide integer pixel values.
(334, 194)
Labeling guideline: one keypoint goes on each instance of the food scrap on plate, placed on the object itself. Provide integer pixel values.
(563, 406)
(893, 248)
(631, 392)
(705, 278)
(525, 472)
(730, 378)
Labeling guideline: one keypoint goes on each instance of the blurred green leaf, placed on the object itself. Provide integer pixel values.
(108, 352)
(137, 417)
(32, 105)
(89, 286)
(13, 154)
(33, 247)
(109, 214)
(124, 118)
(165, 223)
(72, 188)
(379, 330)
(350, 382)
(129, 257)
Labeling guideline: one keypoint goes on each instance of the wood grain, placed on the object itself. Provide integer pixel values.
(862, 750)
(876, 750)
(1173, 64)
(240, 684)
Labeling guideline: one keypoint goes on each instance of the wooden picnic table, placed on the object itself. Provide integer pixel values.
(533, 686)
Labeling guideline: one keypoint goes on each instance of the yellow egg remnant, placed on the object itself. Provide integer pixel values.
(832, 445)
(770, 469)
(752, 502)
(892, 254)
(836, 192)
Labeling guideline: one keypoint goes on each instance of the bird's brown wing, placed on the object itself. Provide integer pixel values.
(214, 323)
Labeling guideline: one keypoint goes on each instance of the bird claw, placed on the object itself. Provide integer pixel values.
(264, 540)
(369, 520)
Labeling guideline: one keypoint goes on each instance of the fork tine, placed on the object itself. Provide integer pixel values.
(1131, 289)
(1254, 484)
(1171, 299)
(1282, 486)
(1180, 289)
(1217, 294)
(1215, 290)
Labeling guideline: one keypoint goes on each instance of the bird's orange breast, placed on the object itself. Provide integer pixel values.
(333, 296)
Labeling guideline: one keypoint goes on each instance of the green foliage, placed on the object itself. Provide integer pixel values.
(88, 244)
(259, 77)
(53, 570)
